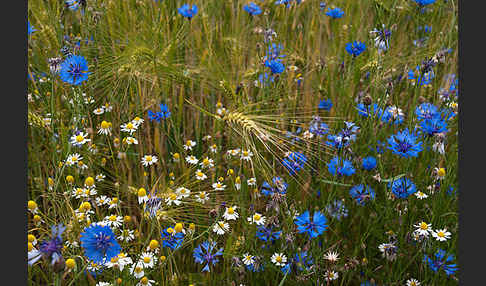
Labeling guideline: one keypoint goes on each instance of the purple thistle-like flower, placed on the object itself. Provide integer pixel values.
(203, 254)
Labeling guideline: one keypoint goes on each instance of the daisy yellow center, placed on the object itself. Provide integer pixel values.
(221, 224)
(248, 257)
(173, 197)
(256, 217)
(231, 211)
(413, 283)
(278, 258)
(441, 234)
(112, 218)
(206, 162)
(170, 230)
(245, 153)
(105, 124)
(130, 126)
(79, 138)
(142, 192)
(199, 174)
(202, 195)
(89, 181)
(87, 192)
(441, 172)
(148, 158)
(423, 226)
(144, 280)
(146, 259)
(136, 119)
(79, 191)
(138, 269)
(114, 259)
(178, 227)
(176, 156)
(188, 143)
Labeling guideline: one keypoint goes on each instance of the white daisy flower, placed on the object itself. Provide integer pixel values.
(79, 139)
(73, 159)
(206, 163)
(221, 227)
(218, 186)
(233, 152)
(105, 128)
(200, 175)
(148, 260)
(99, 111)
(128, 127)
(114, 221)
(119, 261)
(192, 160)
(107, 107)
(423, 228)
(189, 144)
(130, 140)
(246, 155)
(126, 235)
(173, 198)
(102, 200)
(137, 121)
(279, 259)
(213, 148)
(441, 234)
(413, 282)
(145, 282)
(149, 160)
(251, 182)
(183, 192)
(230, 213)
(331, 275)
(202, 197)
(257, 218)
(248, 259)
(137, 270)
(420, 195)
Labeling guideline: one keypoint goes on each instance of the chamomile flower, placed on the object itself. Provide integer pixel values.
(189, 144)
(202, 197)
(183, 192)
(100, 177)
(102, 200)
(78, 193)
(388, 250)
(218, 186)
(126, 235)
(230, 213)
(137, 121)
(221, 227)
(149, 160)
(145, 282)
(279, 259)
(148, 259)
(73, 159)
(248, 259)
(173, 198)
(441, 234)
(119, 261)
(423, 228)
(107, 107)
(129, 127)
(99, 111)
(213, 148)
(331, 275)
(207, 163)
(200, 175)
(246, 155)
(420, 195)
(114, 221)
(79, 139)
(257, 219)
(137, 270)
(192, 160)
(413, 282)
(251, 182)
(130, 140)
(105, 128)
(233, 152)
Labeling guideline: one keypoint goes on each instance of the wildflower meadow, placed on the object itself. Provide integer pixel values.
(264, 142)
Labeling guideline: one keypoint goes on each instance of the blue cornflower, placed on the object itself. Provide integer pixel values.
(422, 3)
(273, 52)
(382, 38)
(164, 113)
(267, 234)
(275, 66)
(72, 5)
(252, 9)
(344, 137)
(252, 267)
(30, 29)
(372, 110)
(294, 162)
(405, 144)
(99, 243)
(402, 187)
(433, 126)
(340, 167)
(152, 205)
(337, 209)
(74, 70)
(287, 2)
(317, 127)
(280, 187)
(314, 227)
(171, 238)
(49, 248)
(203, 254)
(355, 48)
(369, 163)
(362, 194)
(441, 261)
(426, 111)
(422, 79)
(325, 104)
(187, 11)
(335, 13)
